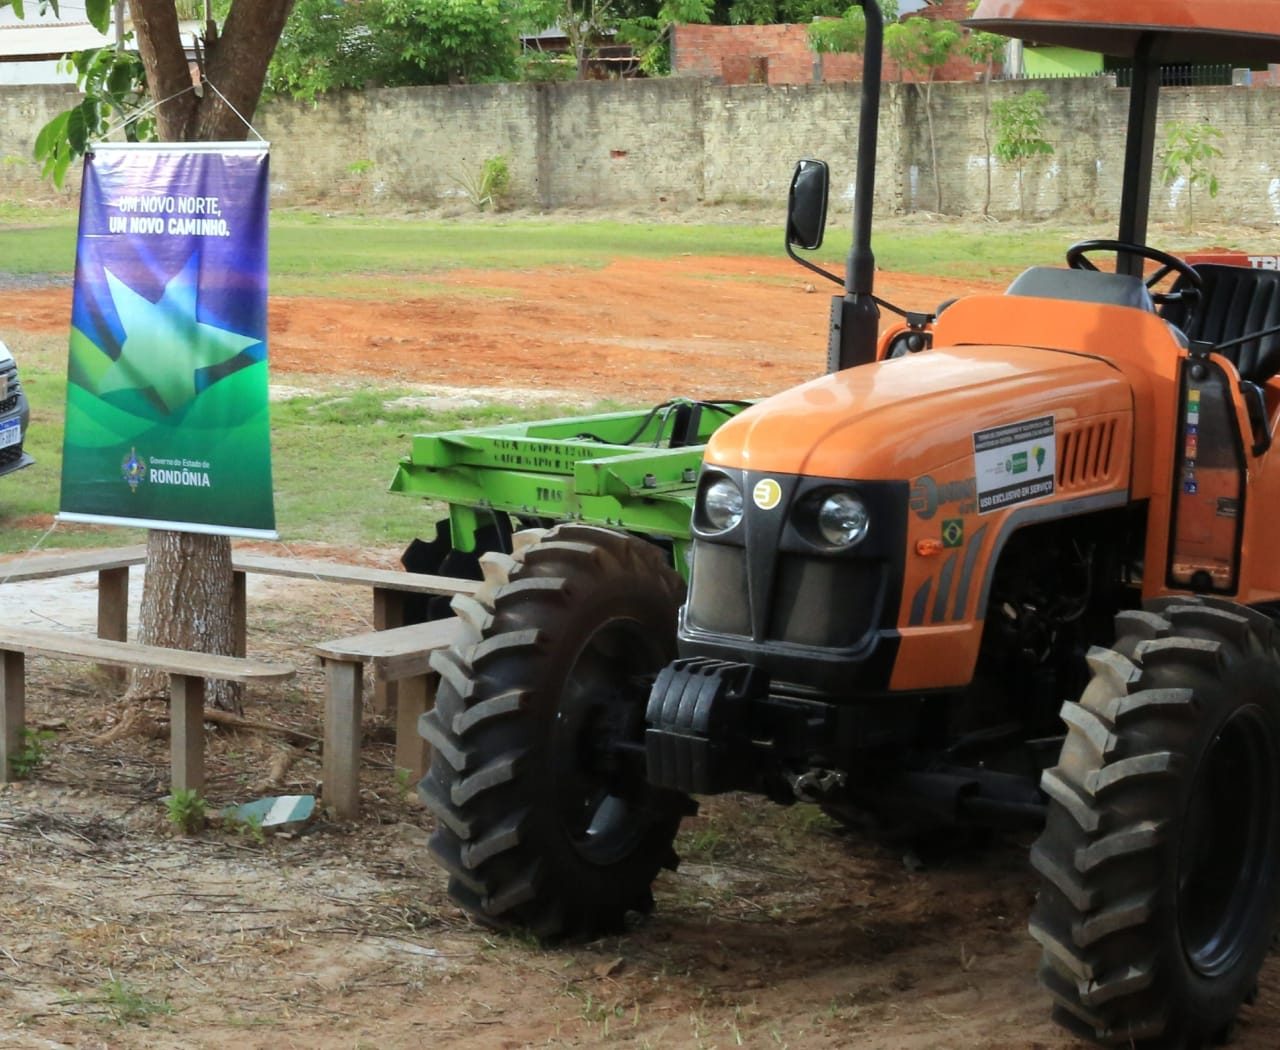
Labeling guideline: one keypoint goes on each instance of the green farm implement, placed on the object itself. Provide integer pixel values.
(633, 471)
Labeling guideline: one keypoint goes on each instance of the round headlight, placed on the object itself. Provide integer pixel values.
(722, 504)
(843, 520)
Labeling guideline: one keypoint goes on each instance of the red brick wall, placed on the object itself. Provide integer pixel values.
(780, 54)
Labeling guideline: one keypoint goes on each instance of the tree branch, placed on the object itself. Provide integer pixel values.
(238, 66)
(155, 25)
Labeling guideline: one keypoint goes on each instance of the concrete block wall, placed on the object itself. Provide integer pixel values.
(23, 112)
(651, 144)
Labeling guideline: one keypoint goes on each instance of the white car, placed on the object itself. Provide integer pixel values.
(14, 414)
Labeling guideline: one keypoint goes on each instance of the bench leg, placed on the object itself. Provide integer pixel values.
(12, 708)
(343, 704)
(113, 612)
(414, 697)
(239, 613)
(388, 613)
(186, 732)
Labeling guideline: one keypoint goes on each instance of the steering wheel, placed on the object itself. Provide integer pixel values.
(1078, 259)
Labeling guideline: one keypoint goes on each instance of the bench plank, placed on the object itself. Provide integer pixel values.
(336, 572)
(37, 641)
(49, 566)
(398, 655)
(401, 652)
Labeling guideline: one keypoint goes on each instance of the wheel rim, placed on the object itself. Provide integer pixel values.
(1227, 854)
(599, 795)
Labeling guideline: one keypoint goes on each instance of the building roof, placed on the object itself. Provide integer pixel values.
(44, 35)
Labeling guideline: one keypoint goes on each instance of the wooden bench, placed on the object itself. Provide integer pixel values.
(187, 672)
(112, 567)
(389, 588)
(400, 654)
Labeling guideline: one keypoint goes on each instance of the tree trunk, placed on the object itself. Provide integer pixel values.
(933, 145)
(986, 135)
(186, 598)
(236, 64)
(187, 604)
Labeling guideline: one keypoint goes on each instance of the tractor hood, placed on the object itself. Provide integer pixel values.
(896, 419)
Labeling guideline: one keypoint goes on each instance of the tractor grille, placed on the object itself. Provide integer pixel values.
(817, 601)
(1085, 454)
(718, 590)
(829, 602)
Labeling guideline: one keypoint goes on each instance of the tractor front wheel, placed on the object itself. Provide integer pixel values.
(545, 821)
(1160, 860)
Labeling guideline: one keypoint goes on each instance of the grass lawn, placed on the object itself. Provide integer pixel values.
(335, 452)
(333, 455)
(313, 253)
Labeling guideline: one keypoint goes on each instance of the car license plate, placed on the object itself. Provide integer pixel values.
(10, 434)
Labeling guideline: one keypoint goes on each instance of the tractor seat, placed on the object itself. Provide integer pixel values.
(1082, 286)
(1236, 300)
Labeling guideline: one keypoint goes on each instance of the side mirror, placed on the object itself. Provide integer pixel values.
(807, 204)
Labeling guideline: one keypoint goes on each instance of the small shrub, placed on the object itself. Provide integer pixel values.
(249, 827)
(541, 67)
(127, 1005)
(186, 811)
(1189, 152)
(31, 756)
(1018, 123)
(489, 187)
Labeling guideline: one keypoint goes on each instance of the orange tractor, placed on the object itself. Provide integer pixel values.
(1042, 507)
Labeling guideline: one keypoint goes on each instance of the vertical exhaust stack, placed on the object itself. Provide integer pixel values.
(855, 319)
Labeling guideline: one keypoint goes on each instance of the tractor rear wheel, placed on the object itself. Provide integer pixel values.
(545, 821)
(1160, 860)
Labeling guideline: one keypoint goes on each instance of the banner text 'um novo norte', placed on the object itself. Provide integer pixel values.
(167, 423)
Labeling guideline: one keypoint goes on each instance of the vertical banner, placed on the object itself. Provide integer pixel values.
(167, 423)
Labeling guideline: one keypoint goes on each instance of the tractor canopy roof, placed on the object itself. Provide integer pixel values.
(1246, 31)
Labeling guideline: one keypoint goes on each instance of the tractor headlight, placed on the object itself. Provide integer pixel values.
(843, 520)
(722, 504)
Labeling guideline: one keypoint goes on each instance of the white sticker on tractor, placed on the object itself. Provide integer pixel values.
(766, 493)
(1014, 463)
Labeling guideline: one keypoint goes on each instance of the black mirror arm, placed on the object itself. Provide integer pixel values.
(914, 318)
(810, 266)
(1248, 337)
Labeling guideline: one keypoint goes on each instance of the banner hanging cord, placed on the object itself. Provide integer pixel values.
(18, 563)
(150, 107)
(227, 102)
(342, 596)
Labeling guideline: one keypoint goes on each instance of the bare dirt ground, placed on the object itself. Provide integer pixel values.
(778, 930)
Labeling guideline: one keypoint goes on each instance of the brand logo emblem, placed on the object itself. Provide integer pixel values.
(928, 495)
(767, 494)
(133, 468)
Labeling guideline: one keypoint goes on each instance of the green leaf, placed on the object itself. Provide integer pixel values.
(51, 136)
(81, 122)
(99, 14)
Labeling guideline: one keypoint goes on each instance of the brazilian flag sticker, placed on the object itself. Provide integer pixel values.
(953, 532)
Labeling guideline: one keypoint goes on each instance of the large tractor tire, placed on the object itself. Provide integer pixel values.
(544, 819)
(1160, 859)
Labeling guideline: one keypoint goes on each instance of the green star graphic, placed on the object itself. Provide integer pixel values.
(164, 344)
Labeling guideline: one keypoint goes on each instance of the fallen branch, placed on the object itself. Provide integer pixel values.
(234, 721)
(280, 766)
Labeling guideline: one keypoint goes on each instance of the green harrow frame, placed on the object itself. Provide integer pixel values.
(635, 471)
